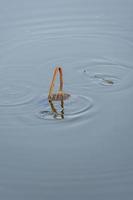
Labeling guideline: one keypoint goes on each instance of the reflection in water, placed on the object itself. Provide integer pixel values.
(57, 114)
(74, 108)
(60, 96)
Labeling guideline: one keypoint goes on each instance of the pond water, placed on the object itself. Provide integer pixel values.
(85, 152)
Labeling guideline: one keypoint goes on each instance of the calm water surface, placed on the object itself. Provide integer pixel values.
(89, 153)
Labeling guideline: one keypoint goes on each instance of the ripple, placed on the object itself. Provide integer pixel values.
(107, 76)
(71, 52)
(76, 106)
(37, 112)
(42, 29)
(106, 80)
(15, 94)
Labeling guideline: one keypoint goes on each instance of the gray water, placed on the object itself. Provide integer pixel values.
(89, 153)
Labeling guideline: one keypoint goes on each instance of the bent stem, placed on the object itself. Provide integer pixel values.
(60, 90)
(59, 95)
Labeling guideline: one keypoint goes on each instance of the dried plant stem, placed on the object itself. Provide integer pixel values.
(52, 85)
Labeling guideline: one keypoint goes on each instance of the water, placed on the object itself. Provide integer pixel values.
(84, 151)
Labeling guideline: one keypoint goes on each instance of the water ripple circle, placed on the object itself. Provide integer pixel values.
(15, 94)
(76, 106)
(106, 76)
